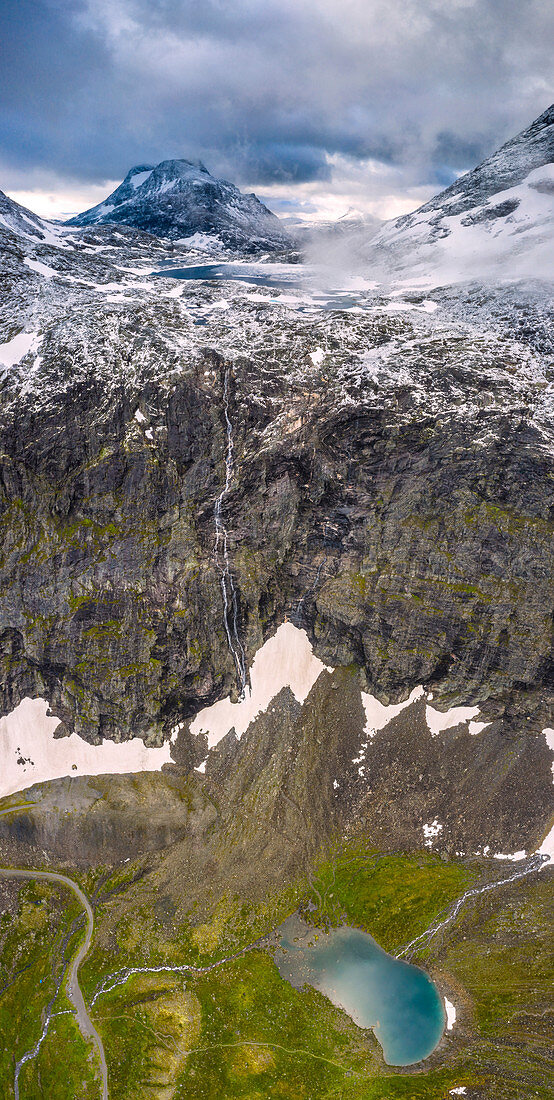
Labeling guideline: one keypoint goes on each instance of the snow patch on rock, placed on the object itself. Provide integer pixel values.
(450, 1010)
(378, 715)
(431, 831)
(30, 752)
(286, 660)
(140, 177)
(547, 847)
(477, 727)
(515, 856)
(14, 350)
(40, 268)
(549, 734)
(439, 721)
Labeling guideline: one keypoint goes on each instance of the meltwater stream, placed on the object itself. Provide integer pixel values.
(397, 1000)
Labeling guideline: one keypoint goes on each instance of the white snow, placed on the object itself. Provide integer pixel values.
(140, 417)
(140, 178)
(427, 306)
(31, 754)
(517, 245)
(549, 734)
(450, 1010)
(438, 721)
(202, 242)
(317, 357)
(15, 349)
(460, 1091)
(547, 847)
(40, 268)
(167, 185)
(516, 856)
(286, 660)
(378, 715)
(477, 727)
(431, 832)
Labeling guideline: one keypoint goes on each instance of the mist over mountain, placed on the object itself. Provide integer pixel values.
(497, 219)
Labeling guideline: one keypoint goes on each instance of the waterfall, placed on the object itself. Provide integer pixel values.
(221, 552)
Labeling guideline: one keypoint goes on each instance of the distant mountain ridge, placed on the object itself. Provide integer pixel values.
(179, 199)
(18, 219)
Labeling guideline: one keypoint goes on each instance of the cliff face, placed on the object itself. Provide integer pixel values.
(412, 541)
(185, 466)
(397, 503)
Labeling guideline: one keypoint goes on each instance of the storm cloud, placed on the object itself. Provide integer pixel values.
(270, 93)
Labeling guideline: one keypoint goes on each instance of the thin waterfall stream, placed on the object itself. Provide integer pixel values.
(221, 551)
(535, 862)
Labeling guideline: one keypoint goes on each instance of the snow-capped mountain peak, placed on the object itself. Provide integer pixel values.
(180, 198)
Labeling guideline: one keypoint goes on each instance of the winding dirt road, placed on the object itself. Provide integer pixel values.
(74, 991)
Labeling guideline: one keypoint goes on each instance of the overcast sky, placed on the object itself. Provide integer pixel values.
(319, 106)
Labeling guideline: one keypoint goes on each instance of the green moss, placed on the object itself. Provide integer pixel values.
(260, 1037)
(147, 1028)
(392, 897)
(505, 960)
(31, 949)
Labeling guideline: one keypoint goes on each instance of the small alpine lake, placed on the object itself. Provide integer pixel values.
(397, 1000)
(312, 289)
(258, 275)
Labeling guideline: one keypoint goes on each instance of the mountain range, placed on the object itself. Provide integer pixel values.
(276, 636)
(494, 219)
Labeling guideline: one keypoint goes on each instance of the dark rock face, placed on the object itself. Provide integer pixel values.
(398, 540)
(391, 492)
(178, 198)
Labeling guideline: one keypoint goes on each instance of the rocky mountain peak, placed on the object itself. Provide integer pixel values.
(180, 198)
(530, 149)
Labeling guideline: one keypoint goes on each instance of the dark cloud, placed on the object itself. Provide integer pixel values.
(266, 91)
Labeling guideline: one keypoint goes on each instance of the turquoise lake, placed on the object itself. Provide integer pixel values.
(397, 1000)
